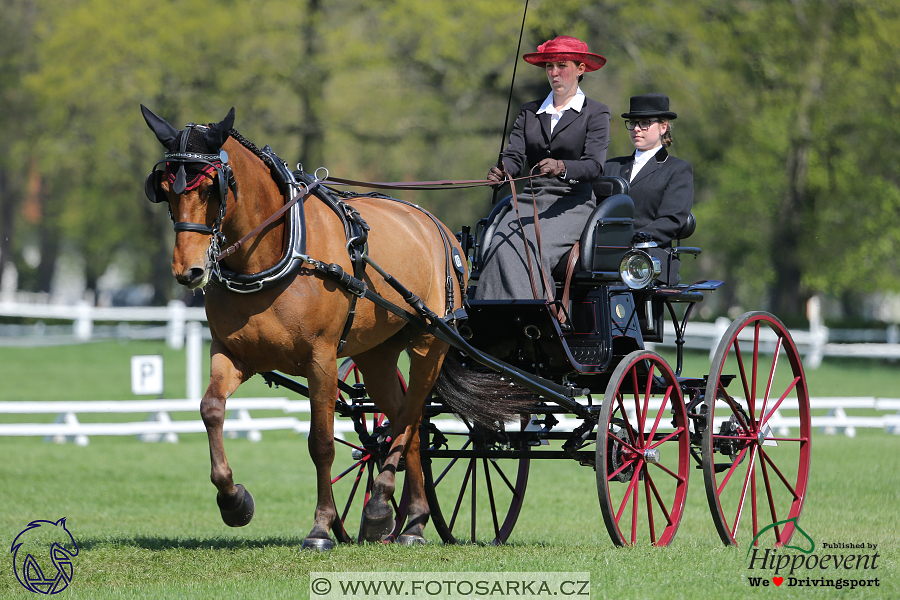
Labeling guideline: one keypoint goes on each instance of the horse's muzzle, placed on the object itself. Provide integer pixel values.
(195, 277)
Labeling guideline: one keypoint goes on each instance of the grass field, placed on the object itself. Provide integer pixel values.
(145, 519)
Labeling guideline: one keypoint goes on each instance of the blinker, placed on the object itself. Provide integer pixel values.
(180, 181)
(152, 189)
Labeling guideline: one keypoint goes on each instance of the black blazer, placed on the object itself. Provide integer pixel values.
(580, 139)
(663, 193)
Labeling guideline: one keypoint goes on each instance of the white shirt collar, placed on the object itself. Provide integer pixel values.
(641, 158)
(576, 103)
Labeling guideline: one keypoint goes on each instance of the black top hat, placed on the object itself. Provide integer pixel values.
(649, 105)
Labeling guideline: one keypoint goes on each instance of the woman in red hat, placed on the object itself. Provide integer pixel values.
(661, 185)
(563, 138)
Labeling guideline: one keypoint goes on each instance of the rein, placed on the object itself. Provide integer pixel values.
(445, 184)
(298, 196)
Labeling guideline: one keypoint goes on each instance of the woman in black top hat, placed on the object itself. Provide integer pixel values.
(564, 139)
(661, 185)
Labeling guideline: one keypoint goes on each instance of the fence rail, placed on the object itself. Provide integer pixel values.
(815, 342)
(160, 426)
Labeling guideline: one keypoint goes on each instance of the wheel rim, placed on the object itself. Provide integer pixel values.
(643, 452)
(756, 470)
(472, 498)
(357, 469)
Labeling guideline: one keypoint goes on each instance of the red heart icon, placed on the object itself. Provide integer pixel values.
(777, 580)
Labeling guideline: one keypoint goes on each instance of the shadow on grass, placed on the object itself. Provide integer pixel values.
(187, 543)
(221, 543)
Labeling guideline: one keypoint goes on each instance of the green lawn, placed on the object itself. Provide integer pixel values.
(145, 518)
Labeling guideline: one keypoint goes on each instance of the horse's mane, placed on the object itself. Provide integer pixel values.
(252, 148)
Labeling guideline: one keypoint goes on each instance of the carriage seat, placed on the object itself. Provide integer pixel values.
(604, 188)
(607, 236)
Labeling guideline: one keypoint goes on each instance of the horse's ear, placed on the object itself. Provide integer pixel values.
(165, 133)
(219, 132)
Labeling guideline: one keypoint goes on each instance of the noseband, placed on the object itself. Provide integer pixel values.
(214, 162)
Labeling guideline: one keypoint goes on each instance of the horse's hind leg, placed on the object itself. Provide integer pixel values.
(235, 502)
(379, 368)
(405, 414)
(425, 358)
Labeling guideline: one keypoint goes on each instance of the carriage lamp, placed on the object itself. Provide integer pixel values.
(638, 269)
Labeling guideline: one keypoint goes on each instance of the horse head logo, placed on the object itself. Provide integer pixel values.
(789, 526)
(32, 545)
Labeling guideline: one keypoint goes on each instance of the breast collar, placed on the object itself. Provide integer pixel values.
(294, 256)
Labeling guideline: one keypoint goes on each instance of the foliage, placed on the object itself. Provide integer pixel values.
(785, 111)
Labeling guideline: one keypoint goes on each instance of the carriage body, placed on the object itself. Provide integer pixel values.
(605, 319)
(611, 404)
(653, 424)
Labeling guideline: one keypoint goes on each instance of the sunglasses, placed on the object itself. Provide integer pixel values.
(642, 125)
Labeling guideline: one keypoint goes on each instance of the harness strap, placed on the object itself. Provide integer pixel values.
(356, 246)
(548, 289)
(359, 289)
(574, 255)
(448, 248)
(234, 247)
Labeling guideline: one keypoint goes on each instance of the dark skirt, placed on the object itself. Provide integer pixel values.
(563, 210)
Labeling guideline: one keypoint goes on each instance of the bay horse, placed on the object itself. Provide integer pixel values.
(295, 325)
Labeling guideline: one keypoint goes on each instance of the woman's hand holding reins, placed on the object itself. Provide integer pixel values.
(496, 176)
(551, 167)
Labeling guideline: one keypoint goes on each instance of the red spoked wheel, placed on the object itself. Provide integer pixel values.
(358, 466)
(643, 452)
(474, 494)
(755, 461)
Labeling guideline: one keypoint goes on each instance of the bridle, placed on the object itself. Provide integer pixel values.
(214, 162)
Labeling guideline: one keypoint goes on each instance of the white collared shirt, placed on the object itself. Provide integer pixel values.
(576, 103)
(641, 158)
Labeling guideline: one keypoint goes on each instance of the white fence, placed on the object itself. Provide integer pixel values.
(159, 425)
(813, 343)
(183, 328)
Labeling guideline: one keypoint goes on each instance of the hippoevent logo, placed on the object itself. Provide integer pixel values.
(853, 567)
(42, 556)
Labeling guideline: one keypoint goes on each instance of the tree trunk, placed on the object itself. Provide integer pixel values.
(787, 296)
(312, 136)
(7, 220)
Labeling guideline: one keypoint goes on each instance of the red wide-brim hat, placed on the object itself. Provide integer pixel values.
(565, 47)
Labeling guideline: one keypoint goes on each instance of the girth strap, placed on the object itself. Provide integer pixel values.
(358, 288)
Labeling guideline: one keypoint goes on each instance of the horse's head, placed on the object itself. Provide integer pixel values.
(194, 182)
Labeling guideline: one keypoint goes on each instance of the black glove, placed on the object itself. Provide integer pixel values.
(641, 238)
(496, 176)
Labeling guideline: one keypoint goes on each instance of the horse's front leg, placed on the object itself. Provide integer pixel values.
(235, 502)
(322, 379)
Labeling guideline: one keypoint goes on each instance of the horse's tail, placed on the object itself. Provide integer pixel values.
(486, 399)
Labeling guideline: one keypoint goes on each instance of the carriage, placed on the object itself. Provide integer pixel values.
(605, 401)
(586, 384)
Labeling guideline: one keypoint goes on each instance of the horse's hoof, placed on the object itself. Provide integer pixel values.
(376, 529)
(238, 512)
(410, 540)
(319, 544)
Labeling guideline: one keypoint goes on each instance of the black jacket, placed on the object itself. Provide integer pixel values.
(663, 193)
(580, 139)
